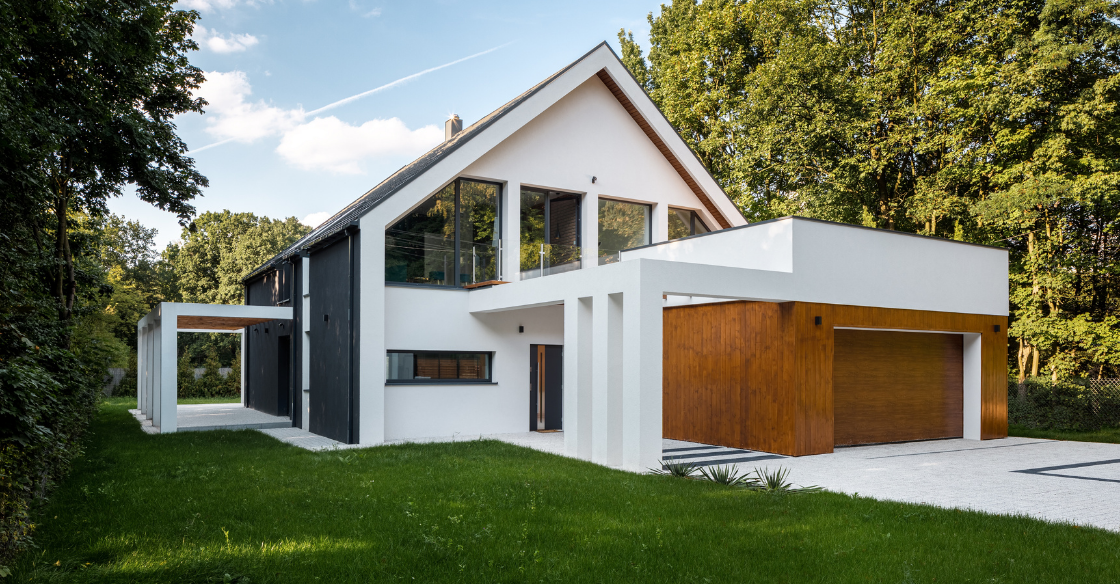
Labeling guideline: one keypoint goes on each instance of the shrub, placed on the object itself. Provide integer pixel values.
(1073, 404)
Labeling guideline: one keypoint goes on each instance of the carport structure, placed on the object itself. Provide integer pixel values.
(157, 349)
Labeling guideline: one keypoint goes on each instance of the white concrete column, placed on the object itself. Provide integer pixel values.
(660, 223)
(371, 382)
(169, 382)
(578, 356)
(511, 232)
(156, 370)
(142, 367)
(972, 382)
(589, 236)
(606, 393)
(145, 387)
(641, 379)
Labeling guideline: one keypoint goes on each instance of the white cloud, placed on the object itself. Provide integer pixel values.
(212, 5)
(333, 145)
(207, 5)
(230, 43)
(232, 118)
(315, 219)
(357, 7)
(319, 144)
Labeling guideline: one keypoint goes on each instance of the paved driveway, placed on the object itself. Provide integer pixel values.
(1075, 482)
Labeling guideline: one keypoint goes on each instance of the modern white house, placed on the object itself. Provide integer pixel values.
(567, 264)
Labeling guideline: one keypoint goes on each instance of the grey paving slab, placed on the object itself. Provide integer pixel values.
(201, 417)
(1069, 482)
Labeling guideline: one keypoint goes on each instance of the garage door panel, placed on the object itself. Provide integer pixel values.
(895, 386)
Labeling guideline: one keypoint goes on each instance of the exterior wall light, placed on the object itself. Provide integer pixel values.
(593, 179)
(520, 329)
(817, 320)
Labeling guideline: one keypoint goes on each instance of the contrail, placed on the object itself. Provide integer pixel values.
(347, 100)
(209, 146)
(401, 80)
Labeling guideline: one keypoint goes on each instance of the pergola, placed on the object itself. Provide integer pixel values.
(157, 349)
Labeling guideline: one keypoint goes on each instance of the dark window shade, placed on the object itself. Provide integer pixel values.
(437, 366)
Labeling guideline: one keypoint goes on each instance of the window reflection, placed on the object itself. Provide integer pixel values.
(422, 248)
(622, 225)
(685, 222)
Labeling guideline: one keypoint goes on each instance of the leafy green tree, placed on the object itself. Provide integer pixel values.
(992, 122)
(88, 93)
(223, 248)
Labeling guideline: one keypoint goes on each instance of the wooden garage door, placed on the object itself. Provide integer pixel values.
(894, 386)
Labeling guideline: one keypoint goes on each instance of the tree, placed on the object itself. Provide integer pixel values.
(991, 122)
(100, 82)
(223, 248)
(88, 92)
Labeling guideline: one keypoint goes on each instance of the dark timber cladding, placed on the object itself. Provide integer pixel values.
(268, 389)
(333, 280)
(770, 377)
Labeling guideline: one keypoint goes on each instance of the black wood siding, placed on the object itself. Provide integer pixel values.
(262, 357)
(333, 280)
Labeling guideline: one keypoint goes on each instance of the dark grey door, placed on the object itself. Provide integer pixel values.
(283, 374)
(546, 387)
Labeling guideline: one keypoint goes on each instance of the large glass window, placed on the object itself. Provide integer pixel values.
(437, 367)
(684, 222)
(451, 239)
(622, 226)
(550, 232)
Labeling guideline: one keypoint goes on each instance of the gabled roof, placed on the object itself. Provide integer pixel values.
(340, 221)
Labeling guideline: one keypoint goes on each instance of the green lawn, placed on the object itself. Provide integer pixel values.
(1111, 435)
(197, 506)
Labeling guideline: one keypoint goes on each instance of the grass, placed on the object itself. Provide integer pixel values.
(242, 507)
(1110, 435)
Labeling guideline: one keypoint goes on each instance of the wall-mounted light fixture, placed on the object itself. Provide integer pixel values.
(816, 320)
(326, 317)
(593, 179)
(520, 329)
(996, 328)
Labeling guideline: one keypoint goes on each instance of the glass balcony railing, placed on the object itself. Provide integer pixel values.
(430, 259)
(609, 256)
(543, 259)
(479, 262)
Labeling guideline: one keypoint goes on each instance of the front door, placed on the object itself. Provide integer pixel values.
(546, 387)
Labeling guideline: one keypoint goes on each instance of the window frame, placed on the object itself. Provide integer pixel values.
(458, 285)
(694, 218)
(649, 222)
(549, 196)
(489, 370)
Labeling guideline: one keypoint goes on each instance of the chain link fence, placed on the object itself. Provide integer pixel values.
(1073, 404)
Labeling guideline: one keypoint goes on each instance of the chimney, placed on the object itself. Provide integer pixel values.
(451, 127)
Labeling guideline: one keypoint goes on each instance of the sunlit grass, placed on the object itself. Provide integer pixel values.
(196, 507)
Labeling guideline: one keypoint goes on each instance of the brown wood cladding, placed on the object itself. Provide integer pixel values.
(759, 375)
(890, 386)
(217, 322)
(662, 147)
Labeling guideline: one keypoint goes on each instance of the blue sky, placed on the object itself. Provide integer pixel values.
(272, 64)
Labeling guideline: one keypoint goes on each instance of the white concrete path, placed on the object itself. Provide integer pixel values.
(1073, 482)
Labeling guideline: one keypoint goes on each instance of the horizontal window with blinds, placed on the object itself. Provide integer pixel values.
(437, 367)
